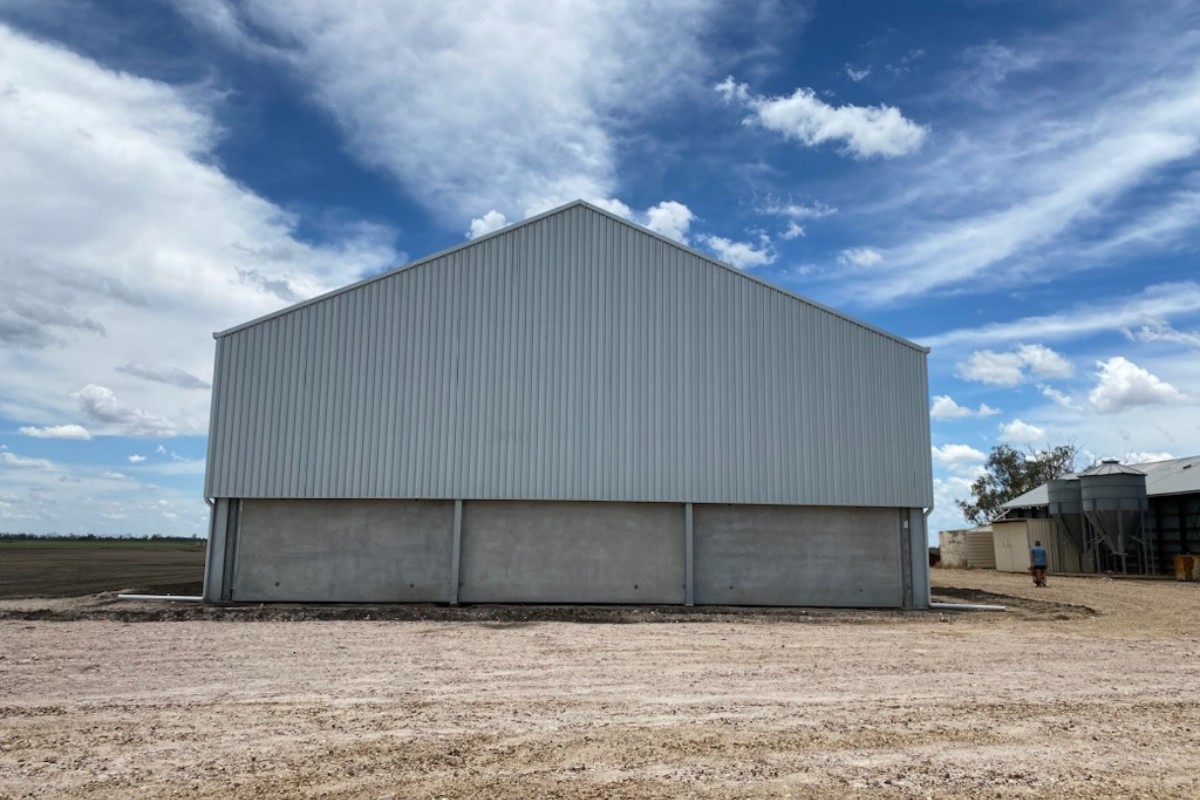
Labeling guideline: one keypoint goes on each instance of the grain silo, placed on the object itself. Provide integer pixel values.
(571, 409)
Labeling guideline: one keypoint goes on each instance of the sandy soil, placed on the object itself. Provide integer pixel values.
(1089, 688)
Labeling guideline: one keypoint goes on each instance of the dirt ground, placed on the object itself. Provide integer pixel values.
(1088, 688)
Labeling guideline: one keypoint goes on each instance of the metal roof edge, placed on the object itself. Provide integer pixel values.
(507, 229)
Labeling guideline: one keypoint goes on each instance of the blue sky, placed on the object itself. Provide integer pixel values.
(1016, 185)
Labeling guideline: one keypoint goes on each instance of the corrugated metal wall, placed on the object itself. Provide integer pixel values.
(574, 357)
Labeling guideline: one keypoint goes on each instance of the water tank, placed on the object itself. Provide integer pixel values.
(1113, 497)
(1066, 509)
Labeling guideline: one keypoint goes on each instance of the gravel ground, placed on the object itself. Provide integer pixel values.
(1088, 688)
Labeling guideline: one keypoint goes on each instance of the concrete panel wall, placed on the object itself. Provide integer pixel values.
(554, 552)
(567, 552)
(797, 556)
(343, 551)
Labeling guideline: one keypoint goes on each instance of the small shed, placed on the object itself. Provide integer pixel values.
(1012, 540)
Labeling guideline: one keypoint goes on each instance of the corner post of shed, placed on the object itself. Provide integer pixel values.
(689, 569)
(456, 551)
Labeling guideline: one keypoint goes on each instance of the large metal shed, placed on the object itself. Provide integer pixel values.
(572, 409)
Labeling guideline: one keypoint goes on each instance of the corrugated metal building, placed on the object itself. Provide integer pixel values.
(571, 409)
(1171, 525)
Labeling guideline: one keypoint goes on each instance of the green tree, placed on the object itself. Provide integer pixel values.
(1011, 473)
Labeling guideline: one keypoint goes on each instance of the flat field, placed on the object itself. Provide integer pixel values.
(1088, 688)
(72, 567)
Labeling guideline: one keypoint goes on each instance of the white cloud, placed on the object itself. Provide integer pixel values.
(102, 406)
(58, 432)
(479, 105)
(944, 408)
(860, 257)
(794, 230)
(668, 218)
(136, 459)
(1061, 398)
(491, 221)
(985, 366)
(1023, 432)
(20, 462)
(1044, 362)
(106, 280)
(671, 219)
(1122, 384)
(742, 255)
(1013, 368)
(113, 475)
(798, 210)
(957, 455)
(857, 75)
(1161, 332)
(865, 131)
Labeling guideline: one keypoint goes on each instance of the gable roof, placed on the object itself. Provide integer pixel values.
(510, 229)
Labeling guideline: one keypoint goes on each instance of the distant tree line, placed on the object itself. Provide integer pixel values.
(88, 537)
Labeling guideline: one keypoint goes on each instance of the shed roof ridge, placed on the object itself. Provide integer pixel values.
(509, 229)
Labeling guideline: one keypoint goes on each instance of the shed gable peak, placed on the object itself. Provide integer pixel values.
(582, 210)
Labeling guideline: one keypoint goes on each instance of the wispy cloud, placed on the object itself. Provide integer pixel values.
(476, 106)
(743, 255)
(1162, 332)
(172, 376)
(1061, 398)
(1059, 175)
(1159, 302)
(11, 459)
(860, 257)
(857, 75)
(798, 211)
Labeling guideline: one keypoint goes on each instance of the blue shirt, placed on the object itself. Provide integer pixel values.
(1037, 556)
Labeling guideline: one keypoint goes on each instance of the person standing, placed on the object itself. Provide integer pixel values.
(1037, 564)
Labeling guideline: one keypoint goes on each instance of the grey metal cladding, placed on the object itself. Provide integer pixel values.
(572, 357)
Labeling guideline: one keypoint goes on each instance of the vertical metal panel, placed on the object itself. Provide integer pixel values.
(573, 357)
